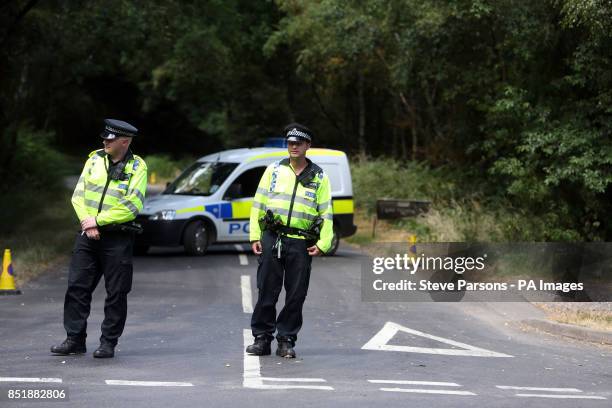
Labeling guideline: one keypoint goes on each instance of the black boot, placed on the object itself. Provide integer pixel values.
(70, 346)
(261, 346)
(106, 350)
(285, 347)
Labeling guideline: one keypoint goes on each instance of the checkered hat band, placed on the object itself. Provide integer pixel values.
(295, 132)
(115, 130)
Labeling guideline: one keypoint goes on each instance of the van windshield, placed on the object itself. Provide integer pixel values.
(201, 178)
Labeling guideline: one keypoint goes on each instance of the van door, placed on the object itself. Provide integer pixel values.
(239, 195)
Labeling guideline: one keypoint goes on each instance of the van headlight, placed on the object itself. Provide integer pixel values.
(165, 215)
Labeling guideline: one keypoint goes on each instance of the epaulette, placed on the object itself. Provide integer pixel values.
(100, 153)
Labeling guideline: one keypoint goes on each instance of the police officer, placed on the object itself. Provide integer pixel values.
(107, 197)
(295, 192)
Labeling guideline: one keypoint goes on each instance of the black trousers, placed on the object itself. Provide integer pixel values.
(294, 266)
(110, 256)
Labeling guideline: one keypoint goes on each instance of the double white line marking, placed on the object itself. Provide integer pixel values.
(422, 390)
(558, 396)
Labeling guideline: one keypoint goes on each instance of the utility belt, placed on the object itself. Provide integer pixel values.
(131, 227)
(285, 230)
(274, 224)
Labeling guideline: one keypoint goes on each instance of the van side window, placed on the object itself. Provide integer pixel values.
(249, 180)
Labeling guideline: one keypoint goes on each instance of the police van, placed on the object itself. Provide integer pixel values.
(210, 202)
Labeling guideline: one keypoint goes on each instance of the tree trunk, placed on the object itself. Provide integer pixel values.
(328, 115)
(290, 92)
(404, 149)
(394, 150)
(362, 113)
(430, 97)
(414, 142)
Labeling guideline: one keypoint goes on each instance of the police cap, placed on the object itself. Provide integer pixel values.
(114, 128)
(294, 132)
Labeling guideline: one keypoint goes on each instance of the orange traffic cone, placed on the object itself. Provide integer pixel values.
(7, 281)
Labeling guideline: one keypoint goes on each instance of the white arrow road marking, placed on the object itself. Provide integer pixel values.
(425, 391)
(241, 257)
(149, 383)
(390, 329)
(30, 379)
(253, 379)
(247, 294)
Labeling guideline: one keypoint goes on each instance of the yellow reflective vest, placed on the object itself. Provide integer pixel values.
(110, 201)
(298, 200)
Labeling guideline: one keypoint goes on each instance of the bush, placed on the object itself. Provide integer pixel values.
(387, 178)
(34, 179)
(35, 164)
(462, 209)
(166, 168)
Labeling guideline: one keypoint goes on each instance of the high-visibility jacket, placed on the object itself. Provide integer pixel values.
(110, 201)
(298, 200)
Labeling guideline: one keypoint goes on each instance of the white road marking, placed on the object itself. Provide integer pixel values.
(241, 257)
(390, 329)
(251, 376)
(510, 387)
(294, 379)
(30, 379)
(402, 382)
(247, 294)
(253, 379)
(561, 396)
(292, 387)
(424, 391)
(149, 383)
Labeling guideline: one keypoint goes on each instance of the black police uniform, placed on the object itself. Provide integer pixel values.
(294, 266)
(110, 256)
(284, 262)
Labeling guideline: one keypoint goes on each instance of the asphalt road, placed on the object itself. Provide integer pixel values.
(185, 336)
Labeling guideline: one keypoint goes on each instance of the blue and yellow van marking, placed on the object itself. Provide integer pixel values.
(242, 209)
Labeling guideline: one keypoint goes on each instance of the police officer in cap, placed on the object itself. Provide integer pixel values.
(293, 195)
(107, 198)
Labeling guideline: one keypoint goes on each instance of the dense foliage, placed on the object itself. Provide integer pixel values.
(516, 95)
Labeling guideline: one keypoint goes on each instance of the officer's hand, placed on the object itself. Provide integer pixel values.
(89, 222)
(93, 233)
(257, 250)
(314, 251)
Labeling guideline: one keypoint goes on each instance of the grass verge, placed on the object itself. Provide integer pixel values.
(596, 315)
(40, 232)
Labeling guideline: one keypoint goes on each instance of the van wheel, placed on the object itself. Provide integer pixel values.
(196, 238)
(335, 242)
(140, 250)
